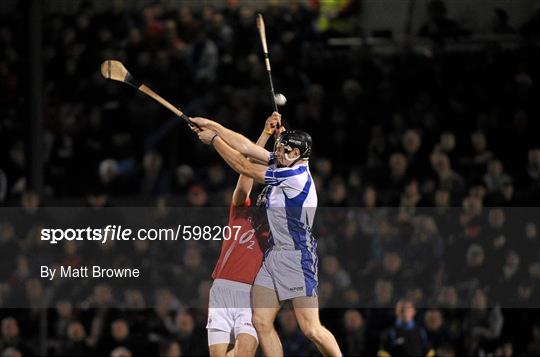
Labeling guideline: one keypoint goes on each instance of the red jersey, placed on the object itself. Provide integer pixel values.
(241, 256)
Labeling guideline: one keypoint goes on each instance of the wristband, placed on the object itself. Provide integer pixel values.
(268, 132)
(213, 137)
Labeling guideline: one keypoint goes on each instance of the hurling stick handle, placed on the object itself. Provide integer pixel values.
(146, 90)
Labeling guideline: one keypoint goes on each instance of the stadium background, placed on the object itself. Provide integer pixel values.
(410, 105)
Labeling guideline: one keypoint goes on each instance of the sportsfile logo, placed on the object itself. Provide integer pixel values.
(120, 233)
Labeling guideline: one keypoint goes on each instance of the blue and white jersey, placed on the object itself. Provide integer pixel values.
(291, 202)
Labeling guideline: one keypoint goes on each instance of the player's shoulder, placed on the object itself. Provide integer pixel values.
(292, 175)
(289, 171)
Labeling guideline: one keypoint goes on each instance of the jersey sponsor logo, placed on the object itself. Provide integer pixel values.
(247, 238)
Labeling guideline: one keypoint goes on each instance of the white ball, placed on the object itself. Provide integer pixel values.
(280, 99)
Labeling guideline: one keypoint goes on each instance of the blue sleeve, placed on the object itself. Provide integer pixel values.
(276, 176)
(271, 159)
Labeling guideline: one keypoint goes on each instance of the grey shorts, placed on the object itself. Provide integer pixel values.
(291, 273)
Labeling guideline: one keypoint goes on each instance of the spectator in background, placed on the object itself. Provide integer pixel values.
(448, 301)
(155, 180)
(406, 337)
(437, 332)
(471, 218)
(475, 272)
(511, 276)
(438, 26)
(165, 303)
(11, 337)
(216, 179)
(389, 269)
(396, 177)
(184, 178)
(387, 238)
(14, 168)
(65, 314)
(477, 161)
(204, 59)
(293, 340)
(411, 143)
(425, 242)
(495, 176)
(529, 245)
(447, 178)
(533, 349)
(337, 193)
(377, 148)
(108, 173)
(443, 214)
(119, 337)
(327, 294)
(332, 271)
(505, 197)
(193, 270)
(355, 331)
(197, 196)
(533, 174)
(76, 344)
(368, 212)
(447, 146)
(9, 246)
(409, 200)
(170, 348)
(190, 337)
(483, 325)
(379, 314)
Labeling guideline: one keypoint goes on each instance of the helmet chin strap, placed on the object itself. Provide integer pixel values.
(290, 159)
(294, 161)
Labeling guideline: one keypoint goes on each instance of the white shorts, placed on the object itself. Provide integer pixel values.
(291, 273)
(229, 312)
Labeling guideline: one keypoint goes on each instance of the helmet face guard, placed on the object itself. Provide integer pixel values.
(295, 139)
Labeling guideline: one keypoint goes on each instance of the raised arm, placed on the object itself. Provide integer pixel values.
(233, 158)
(245, 183)
(235, 140)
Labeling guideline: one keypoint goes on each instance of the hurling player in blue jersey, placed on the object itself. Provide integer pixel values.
(289, 270)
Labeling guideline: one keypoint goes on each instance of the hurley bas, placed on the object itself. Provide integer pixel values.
(94, 271)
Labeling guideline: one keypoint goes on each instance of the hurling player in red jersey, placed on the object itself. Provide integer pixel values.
(229, 326)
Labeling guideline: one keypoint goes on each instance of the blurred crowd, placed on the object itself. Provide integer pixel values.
(444, 138)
